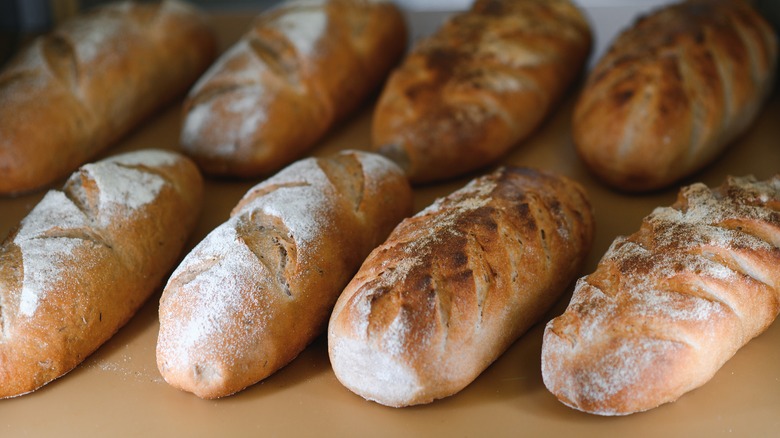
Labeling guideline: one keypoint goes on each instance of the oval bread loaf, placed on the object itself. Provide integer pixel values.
(260, 287)
(301, 68)
(75, 91)
(673, 91)
(668, 305)
(454, 286)
(482, 83)
(86, 257)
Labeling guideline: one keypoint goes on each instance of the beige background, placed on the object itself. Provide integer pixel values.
(118, 391)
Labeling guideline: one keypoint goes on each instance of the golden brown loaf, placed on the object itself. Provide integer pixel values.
(454, 286)
(673, 91)
(302, 67)
(85, 259)
(73, 92)
(668, 305)
(481, 84)
(260, 287)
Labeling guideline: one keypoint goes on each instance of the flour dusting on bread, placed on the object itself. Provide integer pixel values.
(454, 285)
(258, 288)
(303, 26)
(222, 261)
(85, 259)
(47, 237)
(668, 305)
(43, 259)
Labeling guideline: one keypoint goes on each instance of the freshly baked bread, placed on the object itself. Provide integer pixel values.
(302, 67)
(73, 92)
(670, 304)
(261, 286)
(453, 287)
(673, 91)
(85, 259)
(478, 86)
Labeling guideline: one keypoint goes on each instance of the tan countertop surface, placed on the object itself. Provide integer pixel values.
(118, 391)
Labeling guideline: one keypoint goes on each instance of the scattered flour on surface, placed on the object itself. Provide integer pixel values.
(128, 368)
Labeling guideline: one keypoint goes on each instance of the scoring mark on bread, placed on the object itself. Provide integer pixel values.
(81, 190)
(264, 190)
(352, 188)
(85, 190)
(149, 170)
(207, 95)
(85, 234)
(60, 56)
(8, 78)
(300, 27)
(148, 12)
(485, 273)
(756, 60)
(195, 268)
(267, 239)
(284, 67)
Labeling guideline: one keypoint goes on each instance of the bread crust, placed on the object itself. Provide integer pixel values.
(673, 91)
(482, 83)
(455, 285)
(75, 91)
(260, 287)
(668, 305)
(86, 257)
(302, 67)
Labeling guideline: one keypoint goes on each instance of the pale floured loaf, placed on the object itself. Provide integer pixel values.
(85, 259)
(260, 287)
(668, 305)
(455, 285)
(301, 68)
(73, 92)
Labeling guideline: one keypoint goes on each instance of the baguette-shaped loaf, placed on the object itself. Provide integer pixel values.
(260, 287)
(478, 86)
(455, 285)
(75, 91)
(673, 91)
(86, 257)
(670, 304)
(301, 68)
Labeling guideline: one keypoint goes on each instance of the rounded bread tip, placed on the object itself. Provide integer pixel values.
(396, 154)
(356, 363)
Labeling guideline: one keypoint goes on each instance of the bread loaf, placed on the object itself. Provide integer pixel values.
(260, 287)
(453, 287)
(85, 259)
(478, 86)
(73, 92)
(668, 305)
(673, 91)
(302, 67)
